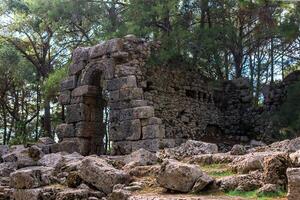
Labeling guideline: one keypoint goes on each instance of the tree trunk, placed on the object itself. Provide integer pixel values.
(47, 119)
(251, 66)
(272, 60)
(38, 111)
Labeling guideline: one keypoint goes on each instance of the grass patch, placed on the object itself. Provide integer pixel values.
(217, 170)
(253, 195)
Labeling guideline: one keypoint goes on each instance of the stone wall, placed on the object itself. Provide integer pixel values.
(195, 107)
(108, 75)
(185, 102)
(152, 107)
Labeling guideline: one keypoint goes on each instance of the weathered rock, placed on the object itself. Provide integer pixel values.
(181, 177)
(293, 175)
(245, 182)
(26, 194)
(267, 189)
(51, 160)
(70, 162)
(295, 158)
(31, 177)
(141, 171)
(275, 167)
(20, 155)
(35, 152)
(141, 157)
(73, 180)
(78, 194)
(3, 150)
(238, 150)
(250, 162)
(207, 159)
(202, 182)
(6, 168)
(193, 147)
(119, 193)
(101, 175)
(46, 144)
(65, 131)
(294, 145)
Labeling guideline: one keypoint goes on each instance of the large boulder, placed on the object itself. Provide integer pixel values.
(31, 177)
(293, 175)
(267, 189)
(250, 162)
(275, 169)
(244, 182)
(295, 158)
(182, 177)
(192, 147)
(20, 155)
(101, 175)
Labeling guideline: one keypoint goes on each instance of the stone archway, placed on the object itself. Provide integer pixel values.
(112, 66)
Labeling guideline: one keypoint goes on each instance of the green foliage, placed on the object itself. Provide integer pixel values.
(51, 85)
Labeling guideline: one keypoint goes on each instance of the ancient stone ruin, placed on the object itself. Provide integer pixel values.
(173, 124)
(151, 107)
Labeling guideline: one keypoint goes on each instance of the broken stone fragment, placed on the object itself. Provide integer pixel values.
(182, 177)
(31, 177)
(101, 175)
(293, 175)
(140, 157)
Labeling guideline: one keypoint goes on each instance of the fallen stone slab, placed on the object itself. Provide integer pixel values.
(51, 160)
(207, 159)
(192, 147)
(244, 182)
(182, 177)
(31, 177)
(275, 167)
(250, 162)
(100, 174)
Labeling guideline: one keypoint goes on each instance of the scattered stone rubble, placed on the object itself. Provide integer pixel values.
(62, 176)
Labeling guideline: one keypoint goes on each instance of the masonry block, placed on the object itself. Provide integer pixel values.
(86, 90)
(131, 93)
(69, 83)
(89, 129)
(153, 131)
(65, 131)
(126, 130)
(64, 97)
(137, 113)
(119, 83)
